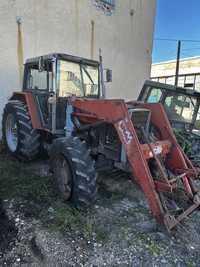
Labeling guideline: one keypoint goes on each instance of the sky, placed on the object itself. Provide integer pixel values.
(179, 20)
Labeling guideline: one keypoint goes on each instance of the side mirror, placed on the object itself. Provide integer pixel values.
(108, 76)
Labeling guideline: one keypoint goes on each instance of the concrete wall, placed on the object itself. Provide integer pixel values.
(66, 26)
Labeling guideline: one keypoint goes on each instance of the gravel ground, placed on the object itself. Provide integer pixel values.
(117, 231)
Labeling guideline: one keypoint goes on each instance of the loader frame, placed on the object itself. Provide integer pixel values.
(116, 113)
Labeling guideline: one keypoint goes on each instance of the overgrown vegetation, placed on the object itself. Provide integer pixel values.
(190, 264)
(17, 181)
(184, 140)
(70, 219)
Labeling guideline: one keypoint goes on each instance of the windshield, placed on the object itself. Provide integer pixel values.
(180, 107)
(77, 79)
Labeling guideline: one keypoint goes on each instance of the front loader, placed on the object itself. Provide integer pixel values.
(61, 110)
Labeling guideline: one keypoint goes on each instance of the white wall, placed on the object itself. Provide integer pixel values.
(187, 66)
(167, 68)
(65, 26)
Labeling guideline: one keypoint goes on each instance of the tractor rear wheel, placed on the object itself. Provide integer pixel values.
(73, 169)
(19, 137)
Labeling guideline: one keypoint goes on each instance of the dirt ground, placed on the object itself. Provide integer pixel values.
(37, 229)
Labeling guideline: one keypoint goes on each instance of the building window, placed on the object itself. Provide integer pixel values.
(107, 6)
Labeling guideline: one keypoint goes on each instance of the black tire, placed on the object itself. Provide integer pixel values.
(80, 185)
(28, 139)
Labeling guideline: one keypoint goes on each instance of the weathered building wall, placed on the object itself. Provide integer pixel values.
(77, 27)
(165, 72)
(188, 65)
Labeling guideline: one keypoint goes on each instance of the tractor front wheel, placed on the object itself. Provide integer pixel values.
(73, 169)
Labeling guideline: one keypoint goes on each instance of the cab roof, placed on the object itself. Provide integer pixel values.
(64, 57)
(168, 87)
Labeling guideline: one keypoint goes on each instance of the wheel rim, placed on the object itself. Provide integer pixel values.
(63, 176)
(11, 132)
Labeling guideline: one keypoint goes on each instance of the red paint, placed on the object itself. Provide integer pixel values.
(116, 113)
(28, 98)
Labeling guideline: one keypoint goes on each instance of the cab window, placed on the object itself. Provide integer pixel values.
(77, 79)
(183, 106)
(154, 96)
(90, 80)
(39, 80)
(69, 79)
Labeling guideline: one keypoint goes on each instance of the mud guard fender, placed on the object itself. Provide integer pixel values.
(28, 98)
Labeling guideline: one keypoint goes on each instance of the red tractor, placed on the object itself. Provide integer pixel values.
(62, 110)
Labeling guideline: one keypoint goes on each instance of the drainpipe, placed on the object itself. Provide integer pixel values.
(20, 50)
(92, 40)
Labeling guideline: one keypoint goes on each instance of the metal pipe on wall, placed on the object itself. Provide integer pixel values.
(20, 49)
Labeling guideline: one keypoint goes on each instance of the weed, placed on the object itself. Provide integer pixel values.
(67, 218)
(101, 234)
(154, 249)
(149, 244)
(190, 264)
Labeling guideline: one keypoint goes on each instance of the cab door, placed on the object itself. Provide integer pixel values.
(40, 82)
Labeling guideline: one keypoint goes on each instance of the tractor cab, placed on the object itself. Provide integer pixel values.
(53, 78)
(181, 105)
(182, 108)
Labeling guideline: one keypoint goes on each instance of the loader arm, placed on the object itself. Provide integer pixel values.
(116, 113)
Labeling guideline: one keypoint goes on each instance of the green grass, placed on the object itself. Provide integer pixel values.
(190, 264)
(70, 219)
(16, 180)
(66, 218)
(115, 192)
(149, 244)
